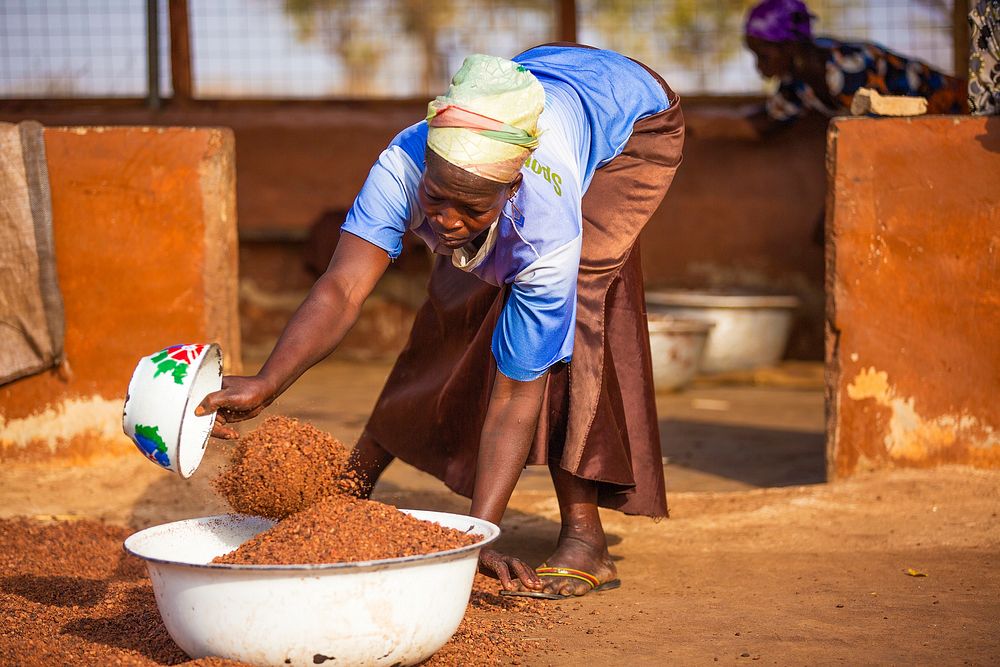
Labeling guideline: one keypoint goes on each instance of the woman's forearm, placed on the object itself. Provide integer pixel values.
(508, 433)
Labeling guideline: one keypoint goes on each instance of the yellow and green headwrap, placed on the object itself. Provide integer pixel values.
(487, 123)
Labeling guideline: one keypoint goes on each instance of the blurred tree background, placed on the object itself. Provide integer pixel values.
(699, 40)
(361, 38)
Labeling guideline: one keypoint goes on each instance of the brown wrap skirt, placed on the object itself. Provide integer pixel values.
(599, 420)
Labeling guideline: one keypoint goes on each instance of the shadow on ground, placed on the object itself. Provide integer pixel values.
(56, 591)
(527, 535)
(750, 454)
(137, 628)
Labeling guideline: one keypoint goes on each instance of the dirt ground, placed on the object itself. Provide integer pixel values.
(760, 561)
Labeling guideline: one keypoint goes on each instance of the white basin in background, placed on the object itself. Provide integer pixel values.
(677, 346)
(750, 330)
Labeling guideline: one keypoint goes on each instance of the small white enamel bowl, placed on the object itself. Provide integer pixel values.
(165, 389)
(397, 611)
(677, 346)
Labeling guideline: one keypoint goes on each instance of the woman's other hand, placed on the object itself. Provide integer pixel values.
(239, 399)
(509, 570)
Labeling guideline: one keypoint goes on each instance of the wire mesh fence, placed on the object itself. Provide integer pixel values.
(71, 48)
(407, 48)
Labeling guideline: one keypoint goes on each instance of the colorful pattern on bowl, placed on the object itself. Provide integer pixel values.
(149, 442)
(175, 360)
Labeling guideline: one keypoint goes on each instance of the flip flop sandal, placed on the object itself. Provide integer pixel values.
(568, 573)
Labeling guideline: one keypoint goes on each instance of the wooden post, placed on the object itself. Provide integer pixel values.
(152, 55)
(960, 37)
(180, 52)
(566, 30)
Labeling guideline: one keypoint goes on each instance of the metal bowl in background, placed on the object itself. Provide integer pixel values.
(677, 346)
(750, 329)
(397, 611)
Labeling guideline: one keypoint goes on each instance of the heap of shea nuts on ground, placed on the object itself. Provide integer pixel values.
(70, 596)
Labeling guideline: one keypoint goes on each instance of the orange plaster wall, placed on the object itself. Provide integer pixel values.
(913, 271)
(740, 213)
(145, 233)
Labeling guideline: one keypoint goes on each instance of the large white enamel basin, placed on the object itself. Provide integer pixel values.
(749, 330)
(385, 612)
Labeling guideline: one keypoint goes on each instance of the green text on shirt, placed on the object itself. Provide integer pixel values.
(549, 175)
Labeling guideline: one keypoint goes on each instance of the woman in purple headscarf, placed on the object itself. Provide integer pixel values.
(823, 74)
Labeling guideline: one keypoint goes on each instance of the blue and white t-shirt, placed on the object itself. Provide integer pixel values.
(592, 99)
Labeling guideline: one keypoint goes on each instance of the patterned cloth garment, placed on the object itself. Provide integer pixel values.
(535, 244)
(850, 66)
(984, 58)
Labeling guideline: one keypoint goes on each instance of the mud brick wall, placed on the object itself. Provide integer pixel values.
(145, 233)
(913, 278)
(740, 212)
